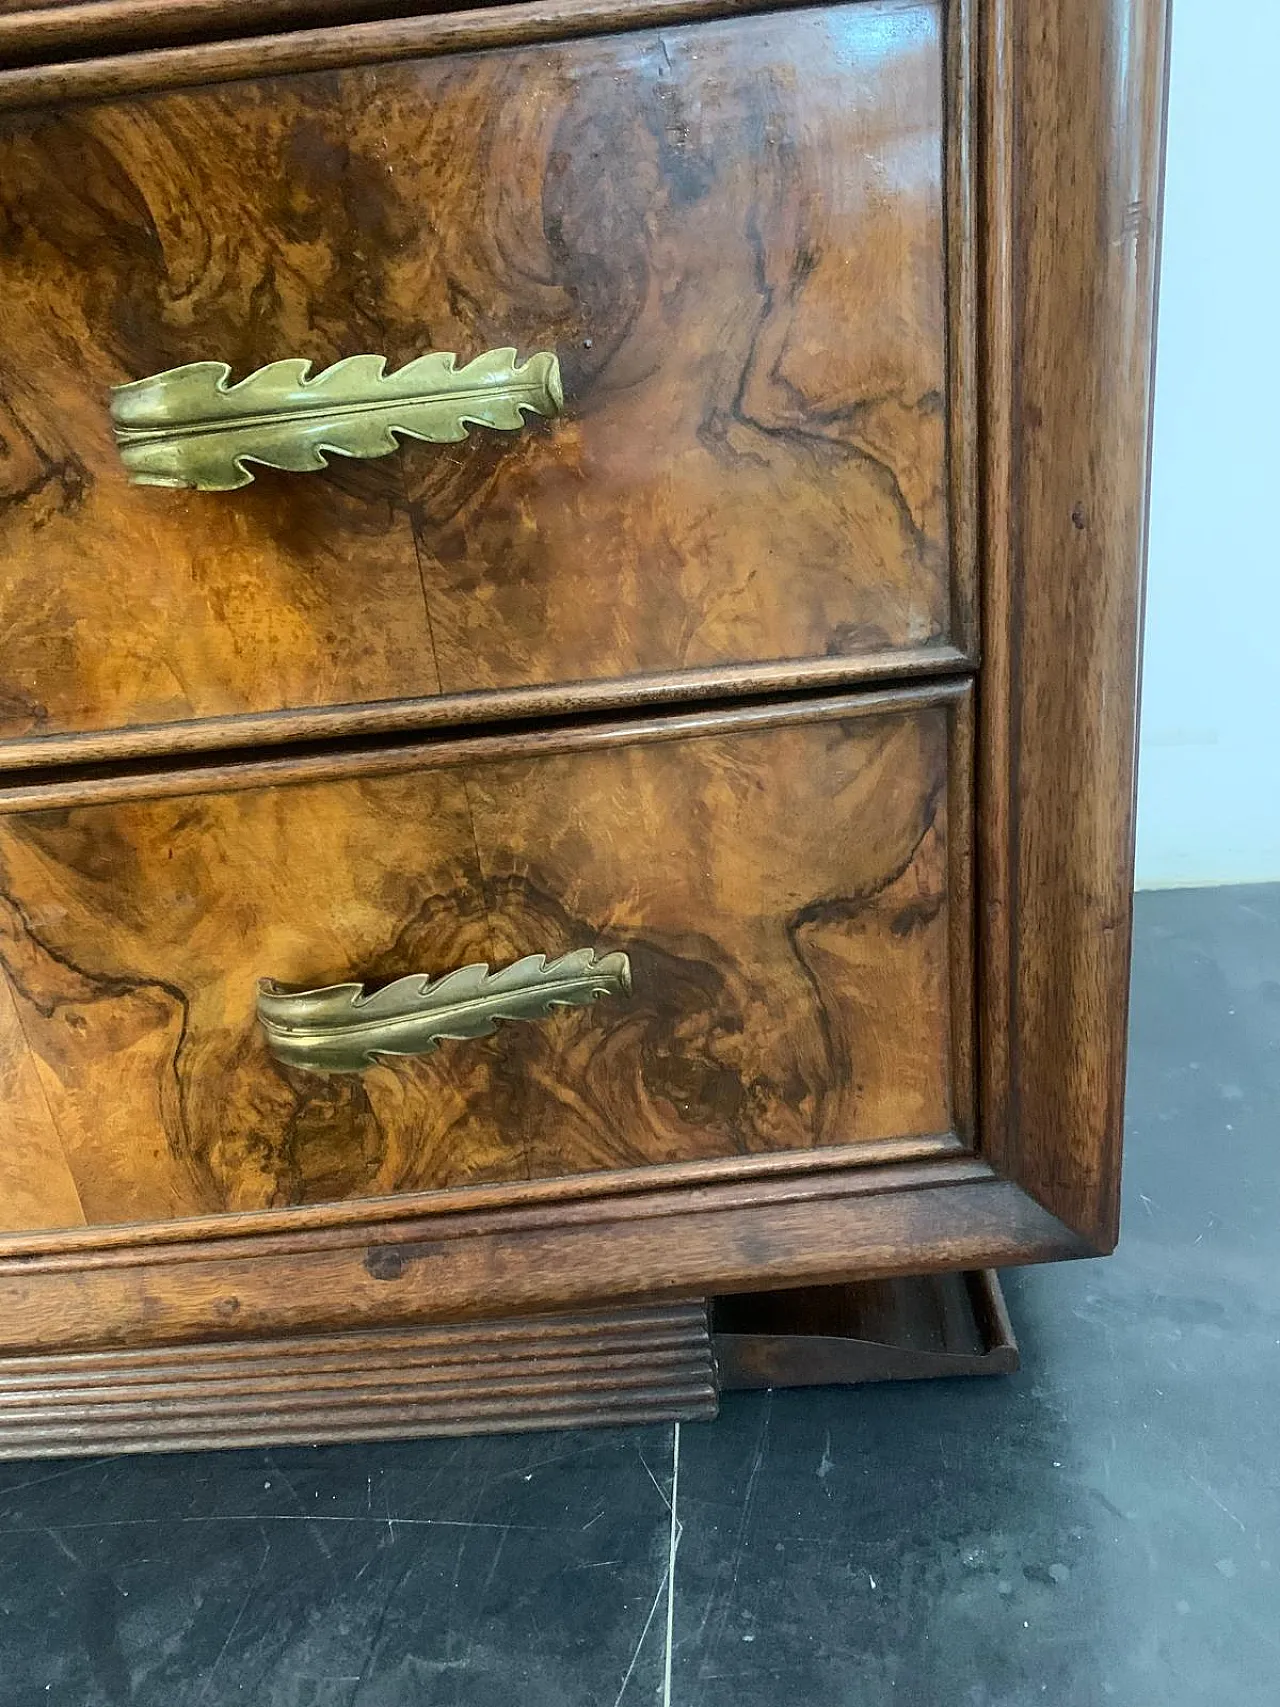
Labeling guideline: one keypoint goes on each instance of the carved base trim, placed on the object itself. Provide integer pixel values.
(602, 1367)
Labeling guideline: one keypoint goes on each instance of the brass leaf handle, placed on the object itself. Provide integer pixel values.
(191, 428)
(341, 1029)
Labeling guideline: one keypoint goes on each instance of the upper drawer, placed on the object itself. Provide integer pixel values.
(788, 882)
(731, 235)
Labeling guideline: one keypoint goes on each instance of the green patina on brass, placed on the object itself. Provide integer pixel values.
(341, 1030)
(191, 428)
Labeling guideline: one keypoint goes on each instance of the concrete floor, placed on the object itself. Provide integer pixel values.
(1104, 1526)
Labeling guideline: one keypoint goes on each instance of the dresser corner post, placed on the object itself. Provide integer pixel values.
(1072, 130)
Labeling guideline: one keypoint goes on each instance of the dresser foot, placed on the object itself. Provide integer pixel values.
(912, 1329)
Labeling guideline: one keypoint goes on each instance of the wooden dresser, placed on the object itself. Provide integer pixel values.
(642, 496)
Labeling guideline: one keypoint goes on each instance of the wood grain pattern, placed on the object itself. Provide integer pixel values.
(1067, 155)
(785, 896)
(753, 465)
(1074, 138)
(36, 1186)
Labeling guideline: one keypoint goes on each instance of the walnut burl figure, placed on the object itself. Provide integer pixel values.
(730, 237)
(789, 901)
(570, 576)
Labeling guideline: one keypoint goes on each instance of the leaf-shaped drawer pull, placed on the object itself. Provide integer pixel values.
(190, 427)
(341, 1029)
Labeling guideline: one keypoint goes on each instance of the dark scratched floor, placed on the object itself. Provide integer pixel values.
(1103, 1527)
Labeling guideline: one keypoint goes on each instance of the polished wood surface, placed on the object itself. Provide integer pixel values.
(1074, 183)
(791, 900)
(36, 1185)
(1047, 401)
(753, 461)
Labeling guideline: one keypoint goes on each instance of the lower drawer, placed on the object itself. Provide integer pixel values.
(787, 884)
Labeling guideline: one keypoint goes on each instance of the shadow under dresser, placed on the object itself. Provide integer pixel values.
(570, 578)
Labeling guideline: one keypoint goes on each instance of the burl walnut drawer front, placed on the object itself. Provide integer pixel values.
(786, 885)
(731, 237)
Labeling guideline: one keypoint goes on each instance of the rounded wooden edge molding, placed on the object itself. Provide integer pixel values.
(345, 45)
(221, 772)
(668, 1188)
(243, 731)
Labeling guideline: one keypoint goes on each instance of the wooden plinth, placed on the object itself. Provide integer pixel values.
(647, 1364)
